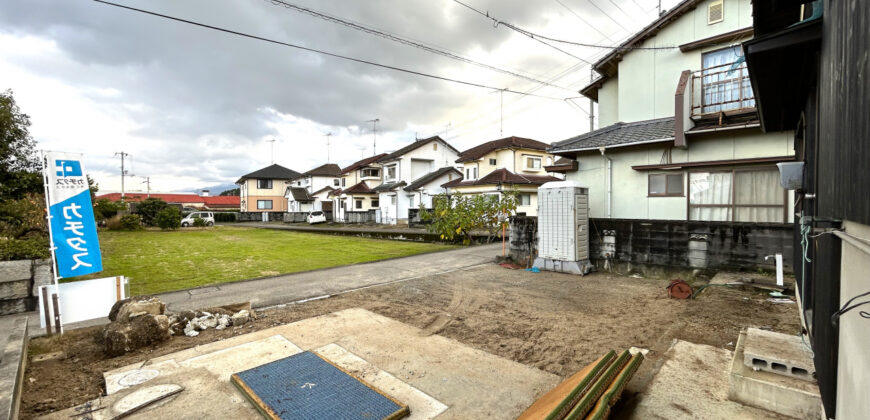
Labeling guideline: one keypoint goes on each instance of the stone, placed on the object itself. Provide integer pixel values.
(124, 336)
(190, 330)
(15, 270)
(14, 289)
(222, 322)
(123, 308)
(42, 275)
(241, 318)
(16, 306)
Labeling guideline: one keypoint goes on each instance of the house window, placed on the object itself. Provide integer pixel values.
(375, 202)
(533, 162)
(335, 182)
(715, 12)
(665, 185)
(391, 172)
(725, 83)
(343, 182)
(358, 204)
(471, 173)
(264, 204)
(411, 205)
(264, 184)
(371, 173)
(492, 162)
(393, 199)
(739, 195)
(434, 146)
(525, 200)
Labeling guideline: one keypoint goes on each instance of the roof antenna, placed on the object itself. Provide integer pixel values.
(272, 141)
(327, 135)
(374, 135)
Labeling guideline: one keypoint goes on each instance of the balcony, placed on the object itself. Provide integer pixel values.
(722, 90)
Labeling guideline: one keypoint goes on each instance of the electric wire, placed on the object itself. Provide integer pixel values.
(848, 307)
(402, 40)
(314, 50)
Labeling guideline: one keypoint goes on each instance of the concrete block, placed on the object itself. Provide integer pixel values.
(781, 394)
(570, 267)
(42, 275)
(15, 270)
(778, 353)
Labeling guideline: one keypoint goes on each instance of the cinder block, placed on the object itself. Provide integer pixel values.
(15, 270)
(781, 394)
(42, 275)
(778, 353)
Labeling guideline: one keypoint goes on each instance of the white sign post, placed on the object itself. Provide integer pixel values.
(75, 249)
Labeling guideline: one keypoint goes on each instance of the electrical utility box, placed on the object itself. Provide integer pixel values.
(563, 228)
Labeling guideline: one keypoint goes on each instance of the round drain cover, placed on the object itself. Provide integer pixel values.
(137, 377)
(679, 289)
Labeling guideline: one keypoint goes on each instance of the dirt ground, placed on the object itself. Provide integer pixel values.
(555, 322)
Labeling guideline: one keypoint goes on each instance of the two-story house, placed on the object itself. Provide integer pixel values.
(680, 137)
(263, 190)
(312, 188)
(404, 166)
(355, 188)
(509, 164)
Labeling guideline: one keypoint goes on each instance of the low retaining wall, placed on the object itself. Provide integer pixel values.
(649, 246)
(360, 216)
(13, 362)
(19, 284)
(251, 216)
(302, 216)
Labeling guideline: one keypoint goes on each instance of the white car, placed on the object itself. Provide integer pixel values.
(316, 217)
(208, 217)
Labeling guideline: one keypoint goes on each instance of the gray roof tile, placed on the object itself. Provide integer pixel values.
(619, 134)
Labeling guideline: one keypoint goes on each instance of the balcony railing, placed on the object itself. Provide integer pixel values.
(722, 88)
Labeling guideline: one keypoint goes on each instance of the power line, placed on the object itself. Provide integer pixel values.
(583, 20)
(286, 44)
(531, 34)
(402, 40)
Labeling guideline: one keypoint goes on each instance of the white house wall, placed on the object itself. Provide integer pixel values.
(648, 78)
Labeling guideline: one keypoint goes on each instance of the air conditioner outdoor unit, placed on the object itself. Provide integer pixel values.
(563, 228)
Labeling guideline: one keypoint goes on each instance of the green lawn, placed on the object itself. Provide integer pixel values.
(157, 261)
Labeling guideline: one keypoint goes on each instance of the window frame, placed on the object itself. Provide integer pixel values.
(493, 162)
(682, 192)
(395, 168)
(375, 202)
(539, 159)
(266, 180)
(358, 204)
(374, 173)
(271, 205)
(733, 207)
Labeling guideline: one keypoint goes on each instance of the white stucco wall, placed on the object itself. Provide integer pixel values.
(629, 187)
(647, 79)
(853, 368)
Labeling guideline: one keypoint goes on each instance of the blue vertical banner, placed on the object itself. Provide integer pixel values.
(73, 229)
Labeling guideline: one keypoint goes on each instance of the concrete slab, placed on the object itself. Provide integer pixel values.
(778, 353)
(13, 362)
(431, 374)
(781, 394)
(693, 384)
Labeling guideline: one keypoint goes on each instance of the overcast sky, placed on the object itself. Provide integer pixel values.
(195, 107)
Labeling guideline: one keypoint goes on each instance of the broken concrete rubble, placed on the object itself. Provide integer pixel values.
(123, 336)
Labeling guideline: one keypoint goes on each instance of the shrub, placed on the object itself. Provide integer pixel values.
(149, 208)
(130, 222)
(168, 218)
(225, 217)
(24, 249)
(106, 209)
(24, 217)
(199, 222)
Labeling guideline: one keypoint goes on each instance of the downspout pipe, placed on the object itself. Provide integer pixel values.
(608, 180)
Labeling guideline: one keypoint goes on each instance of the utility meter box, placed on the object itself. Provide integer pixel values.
(563, 228)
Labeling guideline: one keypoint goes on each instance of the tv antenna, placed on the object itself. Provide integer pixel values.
(272, 141)
(501, 110)
(328, 136)
(374, 135)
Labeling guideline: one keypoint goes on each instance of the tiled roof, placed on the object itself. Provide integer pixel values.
(389, 186)
(273, 171)
(481, 150)
(300, 194)
(431, 176)
(360, 188)
(328, 169)
(619, 134)
(503, 176)
(363, 162)
(414, 145)
(228, 200)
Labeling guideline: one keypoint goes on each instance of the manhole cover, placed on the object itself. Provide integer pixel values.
(137, 377)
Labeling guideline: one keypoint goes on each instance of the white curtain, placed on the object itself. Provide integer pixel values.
(710, 188)
(759, 188)
(726, 79)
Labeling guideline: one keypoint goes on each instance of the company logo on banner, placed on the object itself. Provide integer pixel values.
(73, 229)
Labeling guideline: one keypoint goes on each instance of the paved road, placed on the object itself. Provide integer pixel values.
(294, 287)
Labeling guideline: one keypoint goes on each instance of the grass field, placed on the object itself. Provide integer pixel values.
(157, 261)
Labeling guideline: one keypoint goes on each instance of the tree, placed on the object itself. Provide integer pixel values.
(148, 209)
(233, 192)
(457, 217)
(169, 218)
(19, 164)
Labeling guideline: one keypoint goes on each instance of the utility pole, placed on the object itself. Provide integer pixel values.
(327, 135)
(148, 182)
(374, 135)
(272, 141)
(123, 171)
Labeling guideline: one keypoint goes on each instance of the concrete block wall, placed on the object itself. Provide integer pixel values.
(19, 284)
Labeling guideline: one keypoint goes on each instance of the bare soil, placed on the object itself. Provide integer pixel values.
(556, 322)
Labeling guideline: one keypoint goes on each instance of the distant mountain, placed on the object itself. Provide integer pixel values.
(216, 189)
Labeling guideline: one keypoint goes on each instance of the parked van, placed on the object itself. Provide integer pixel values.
(207, 216)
